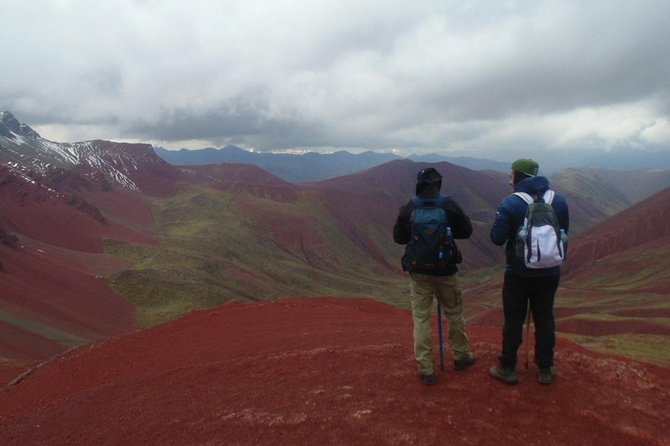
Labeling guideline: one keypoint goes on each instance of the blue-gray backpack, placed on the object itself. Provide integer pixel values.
(431, 247)
(540, 241)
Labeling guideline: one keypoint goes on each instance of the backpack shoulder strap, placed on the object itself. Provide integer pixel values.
(524, 196)
(421, 202)
(441, 199)
(548, 196)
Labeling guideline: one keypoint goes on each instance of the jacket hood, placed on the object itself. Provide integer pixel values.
(428, 182)
(532, 185)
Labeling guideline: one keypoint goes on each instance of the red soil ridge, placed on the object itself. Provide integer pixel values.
(53, 287)
(322, 371)
(643, 223)
(54, 303)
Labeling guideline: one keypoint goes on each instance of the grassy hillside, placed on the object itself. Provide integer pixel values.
(636, 185)
(246, 236)
(216, 246)
(591, 199)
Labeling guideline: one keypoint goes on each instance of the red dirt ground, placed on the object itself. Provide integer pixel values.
(322, 371)
(58, 289)
(62, 293)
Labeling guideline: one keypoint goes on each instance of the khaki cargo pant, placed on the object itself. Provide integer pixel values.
(423, 288)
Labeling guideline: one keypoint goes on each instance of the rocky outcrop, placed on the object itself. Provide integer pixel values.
(10, 125)
(7, 239)
(135, 167)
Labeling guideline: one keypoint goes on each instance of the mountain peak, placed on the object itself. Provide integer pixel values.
(132, 166)
(9, 124)
(8, 119)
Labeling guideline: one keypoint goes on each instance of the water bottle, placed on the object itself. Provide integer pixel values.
(447, 243)
(523, 232)
(564, 241)
(521, 241)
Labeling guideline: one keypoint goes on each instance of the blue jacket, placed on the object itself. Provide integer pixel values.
(510, 215)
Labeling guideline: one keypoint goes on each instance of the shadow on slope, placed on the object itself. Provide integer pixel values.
(322, 371)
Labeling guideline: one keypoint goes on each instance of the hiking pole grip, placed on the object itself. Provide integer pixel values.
(439, 334)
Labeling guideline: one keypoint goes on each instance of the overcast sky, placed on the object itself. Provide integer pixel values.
(484, 78)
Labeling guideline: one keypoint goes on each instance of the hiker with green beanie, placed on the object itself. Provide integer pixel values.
(427, 225)
(524, 286)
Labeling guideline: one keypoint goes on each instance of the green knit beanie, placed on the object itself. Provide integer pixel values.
(526, 166)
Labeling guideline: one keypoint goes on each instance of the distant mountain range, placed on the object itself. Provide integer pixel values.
(311, 166)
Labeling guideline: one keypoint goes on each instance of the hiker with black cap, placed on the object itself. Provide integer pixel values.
(428, 225)
(526, 285)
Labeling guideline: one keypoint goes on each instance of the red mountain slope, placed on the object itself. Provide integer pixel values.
(70, 220)
(322, 371)
(133, 167)
(53, 288)
(476, 191)
(646, 222)
(373, 197)
(243, 178)
(49, 302)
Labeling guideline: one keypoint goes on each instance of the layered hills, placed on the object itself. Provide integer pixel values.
(107, 245)
(58, 202)
(192, 236)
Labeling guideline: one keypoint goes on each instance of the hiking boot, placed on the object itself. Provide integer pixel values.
(546, 375)
(428, 380)
(464, 362)
(504, 374)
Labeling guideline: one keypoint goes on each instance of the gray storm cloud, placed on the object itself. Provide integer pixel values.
(479, 76)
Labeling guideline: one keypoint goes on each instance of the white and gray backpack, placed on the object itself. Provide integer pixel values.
(540, 242)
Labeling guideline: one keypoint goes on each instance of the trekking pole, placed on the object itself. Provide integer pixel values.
(527, 332)
(439, 334)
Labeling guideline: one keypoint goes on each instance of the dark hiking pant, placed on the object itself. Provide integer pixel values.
(517, 292)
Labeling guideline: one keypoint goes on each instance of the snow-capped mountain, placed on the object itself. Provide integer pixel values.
(134, 167)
